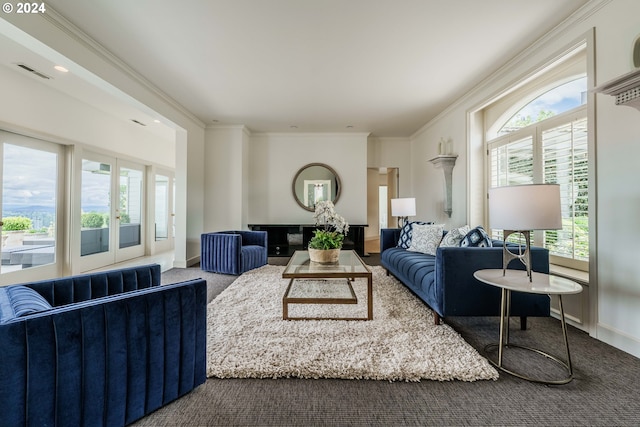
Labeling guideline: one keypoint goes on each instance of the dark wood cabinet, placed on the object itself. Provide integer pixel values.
(285, 239)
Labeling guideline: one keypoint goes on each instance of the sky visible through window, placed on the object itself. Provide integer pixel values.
(29, 184)
(558, 100)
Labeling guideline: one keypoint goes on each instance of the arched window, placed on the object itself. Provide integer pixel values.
(545, 141)
(551, 103)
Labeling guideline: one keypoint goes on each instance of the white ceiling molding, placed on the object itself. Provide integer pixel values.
(100, 51)
(500, 74)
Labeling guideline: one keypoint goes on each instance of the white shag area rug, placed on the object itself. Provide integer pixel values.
(247, 338)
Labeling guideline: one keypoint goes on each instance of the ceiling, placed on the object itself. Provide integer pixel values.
(380, 66)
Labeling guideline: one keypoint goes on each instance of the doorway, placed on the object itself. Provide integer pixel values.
(382, 186)
(31, 202)
(112, 219)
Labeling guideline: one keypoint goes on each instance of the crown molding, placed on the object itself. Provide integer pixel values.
(242, 128)
(83, 39)
(580, 15)
(314, 134)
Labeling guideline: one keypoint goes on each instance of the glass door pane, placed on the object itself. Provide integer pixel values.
(162, 214)
(129, 212)
(95, 207)
(29, 205)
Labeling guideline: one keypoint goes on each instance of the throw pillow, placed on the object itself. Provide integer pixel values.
(6, 311)
(405, 234)
(426, 238)
(477, 238)
(25, 300)
(454, 237)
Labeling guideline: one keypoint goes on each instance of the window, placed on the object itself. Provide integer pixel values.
(30, 186)
(565, 162)
(551, 151)
(555, 101)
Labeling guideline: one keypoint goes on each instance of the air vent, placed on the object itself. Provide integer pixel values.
(33, 71)
(137, 122)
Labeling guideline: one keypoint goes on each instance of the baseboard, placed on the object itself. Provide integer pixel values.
(188, 263)
(618, 339)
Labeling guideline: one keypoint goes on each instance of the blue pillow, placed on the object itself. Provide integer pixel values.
(6, 311)
(405, 234)
(17, 301)
(476, 238)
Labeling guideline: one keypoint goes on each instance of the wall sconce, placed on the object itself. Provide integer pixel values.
(446, 162)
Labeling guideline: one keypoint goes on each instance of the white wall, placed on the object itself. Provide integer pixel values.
(618, 139)
(429, 184)
(617, 282)
(33, 108)
(274, 160)
(393, 153)
(53, 36)
(225, 176)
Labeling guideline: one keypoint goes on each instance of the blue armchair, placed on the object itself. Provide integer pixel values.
(233, 252)
(100, 349)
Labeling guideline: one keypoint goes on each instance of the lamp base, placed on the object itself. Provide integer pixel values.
(523, 256)
(402, 221)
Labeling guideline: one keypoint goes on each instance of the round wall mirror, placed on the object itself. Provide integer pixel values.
(315, 182)
(636, 53)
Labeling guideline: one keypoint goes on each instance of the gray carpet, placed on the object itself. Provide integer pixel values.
(605, 391)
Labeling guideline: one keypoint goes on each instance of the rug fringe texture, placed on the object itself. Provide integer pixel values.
(247, 338)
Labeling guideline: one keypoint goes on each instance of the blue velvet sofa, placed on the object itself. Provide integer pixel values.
(233, 252)
(113, 347)
(445, 281)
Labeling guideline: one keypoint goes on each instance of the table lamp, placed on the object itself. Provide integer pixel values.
(520, 209)
(403, 208)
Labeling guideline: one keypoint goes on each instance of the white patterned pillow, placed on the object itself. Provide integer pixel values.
(426, 238)
(454, 237)
(405, 234)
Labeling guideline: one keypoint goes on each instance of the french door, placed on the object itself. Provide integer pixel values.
(111, 222)
(164, 210)
(31, 202)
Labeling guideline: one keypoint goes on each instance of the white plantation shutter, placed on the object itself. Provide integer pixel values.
(565, 162)
(512, 163)
(552, 151)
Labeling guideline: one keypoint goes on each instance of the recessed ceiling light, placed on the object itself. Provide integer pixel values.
(61, 69)
(156, 121)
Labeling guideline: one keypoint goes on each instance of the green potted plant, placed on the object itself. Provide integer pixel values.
(325, 245)
(13, 230)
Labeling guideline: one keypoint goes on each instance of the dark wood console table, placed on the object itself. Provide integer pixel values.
(285, 239)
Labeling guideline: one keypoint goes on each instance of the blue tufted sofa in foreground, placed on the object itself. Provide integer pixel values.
(113, 347)
(445, 281)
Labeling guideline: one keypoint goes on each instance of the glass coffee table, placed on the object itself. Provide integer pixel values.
(313, 283)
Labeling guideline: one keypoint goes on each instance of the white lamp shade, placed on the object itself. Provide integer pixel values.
(403, 207)
(525, 207)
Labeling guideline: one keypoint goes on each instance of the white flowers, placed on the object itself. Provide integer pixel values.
(326, 216)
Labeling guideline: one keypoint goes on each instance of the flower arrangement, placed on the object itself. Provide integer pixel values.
(334, 227)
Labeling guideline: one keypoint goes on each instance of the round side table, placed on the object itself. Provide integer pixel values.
(540, 283)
